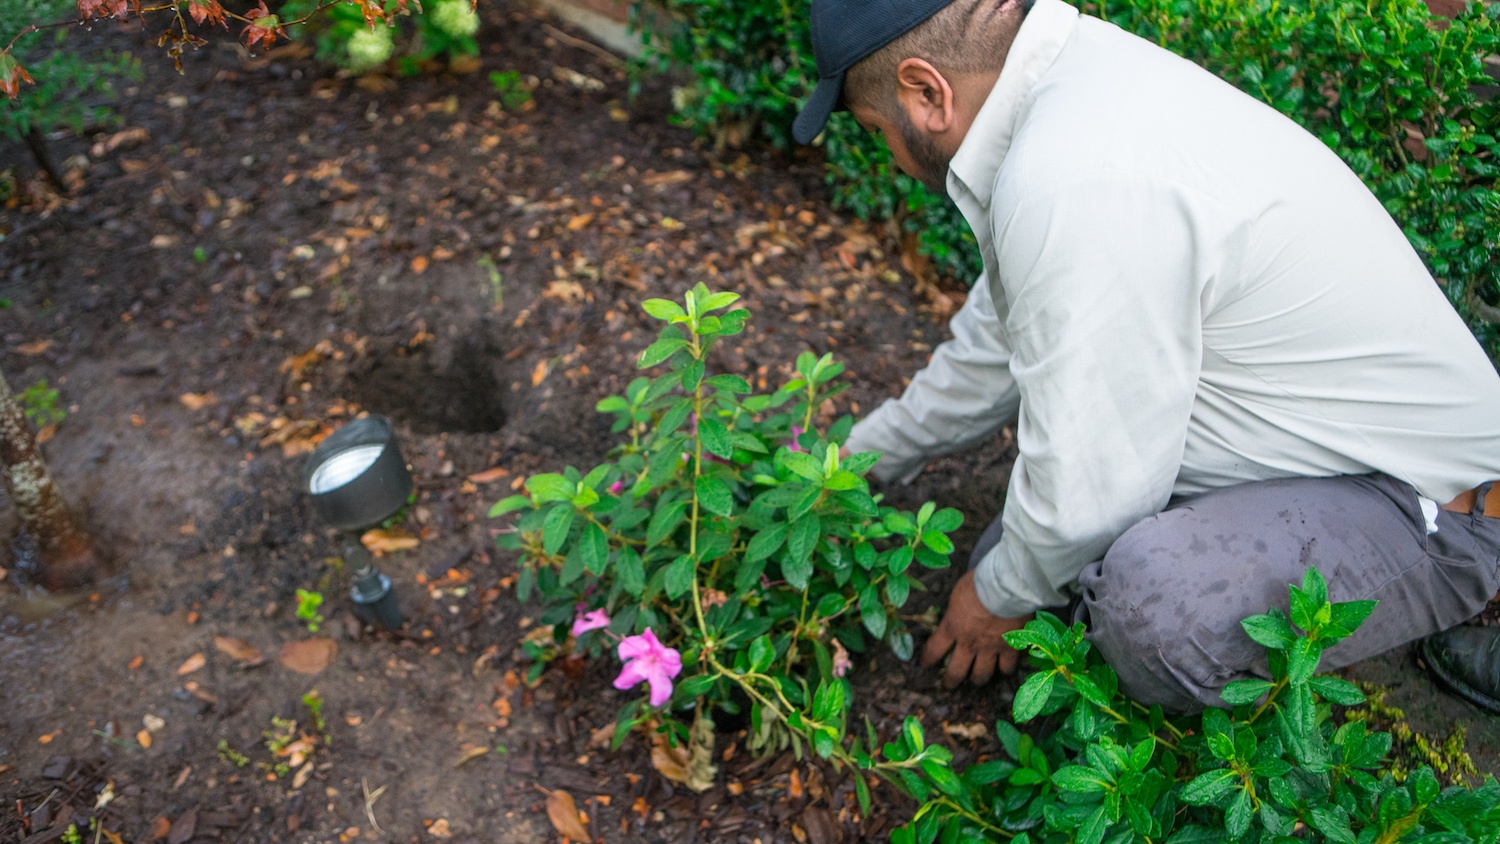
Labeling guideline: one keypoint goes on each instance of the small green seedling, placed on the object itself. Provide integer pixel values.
(307, 608)
(40, 404)
(510, 88)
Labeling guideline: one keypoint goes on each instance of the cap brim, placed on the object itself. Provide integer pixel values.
(815, 113)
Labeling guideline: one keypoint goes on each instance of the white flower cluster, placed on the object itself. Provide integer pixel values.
(369, 48)
(455, 17)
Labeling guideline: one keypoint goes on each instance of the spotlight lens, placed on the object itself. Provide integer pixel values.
(343, 467)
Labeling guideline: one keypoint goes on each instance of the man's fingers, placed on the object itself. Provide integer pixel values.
(1009, 659)
(936, 646)
(958, 665)
(984, 666)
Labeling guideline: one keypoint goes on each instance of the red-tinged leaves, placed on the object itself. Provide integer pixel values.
(12, 75)
(207, 10)
(103, 8)
(263, 28)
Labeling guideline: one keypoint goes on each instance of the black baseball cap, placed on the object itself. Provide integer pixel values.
(843, 32)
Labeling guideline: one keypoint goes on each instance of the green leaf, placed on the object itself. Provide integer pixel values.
(842, 480)
(714, 495)
(1237, 819)
(715, 438)
(901, 643)
(595, 549)
(1271, 631)
(733, 384)
(660, 351)
(897, 590)
(549, 487)
(555, 529)
(871, 612)
(1302, 660)
(766, 542)
(797, 571)
(937, 542)
(1208, 787)
(1346, 617)
(762, 654)
(679, 577)
(629, 572)
(803, 465)
(1092, 831)
(1341, 692)
(714, 302)
(1081, 779)
(509, 504)
(664, 309)
(1032, 696)
(1334, 824)
(665, 520)
(803, 537)
(1194, 834)
(942, 777)
(1241, 692)
(945, 520)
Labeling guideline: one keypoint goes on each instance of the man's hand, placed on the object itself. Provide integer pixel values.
(975, 636)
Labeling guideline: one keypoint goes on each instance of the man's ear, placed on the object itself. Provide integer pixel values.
(925, 96)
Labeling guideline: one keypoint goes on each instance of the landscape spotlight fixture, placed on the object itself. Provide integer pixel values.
(357, 479)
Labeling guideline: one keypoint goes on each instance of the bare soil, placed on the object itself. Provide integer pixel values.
(265, 248)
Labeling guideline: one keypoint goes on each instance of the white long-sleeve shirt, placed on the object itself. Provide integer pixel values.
(1183, 290)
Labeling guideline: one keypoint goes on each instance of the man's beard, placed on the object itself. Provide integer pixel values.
(931, 164)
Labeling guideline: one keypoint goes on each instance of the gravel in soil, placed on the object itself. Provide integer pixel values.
(263, 249)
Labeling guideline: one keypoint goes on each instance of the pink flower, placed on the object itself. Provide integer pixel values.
(617, 487)
(841, 661)
(647, 659)
(584, 622)
(793, 445)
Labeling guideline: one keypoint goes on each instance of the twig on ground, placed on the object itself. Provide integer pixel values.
(370, 798)
(604, 55)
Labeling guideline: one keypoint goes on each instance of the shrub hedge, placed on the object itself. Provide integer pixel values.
(1406, 99)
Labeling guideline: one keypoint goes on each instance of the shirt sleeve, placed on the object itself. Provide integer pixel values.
(1104, 279)
(964, 394)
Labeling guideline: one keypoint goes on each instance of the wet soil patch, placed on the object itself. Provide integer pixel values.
(431, 395)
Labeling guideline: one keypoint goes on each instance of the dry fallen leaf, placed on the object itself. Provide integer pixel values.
(670, 762)
(159, 828)
(439, 829)
(563, 813)
(35, 348)
(197, 401)
(489, 475)
(381, 542)
(419, 264)
(965, 731)
(143, 738)
(470, 754)
(308, 656)
(539, 374)
(237, 648)
(193, 663)
(580, 221)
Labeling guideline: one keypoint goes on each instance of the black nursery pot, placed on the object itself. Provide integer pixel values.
(357, 476)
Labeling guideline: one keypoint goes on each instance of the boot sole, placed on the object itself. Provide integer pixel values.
(1439, 673)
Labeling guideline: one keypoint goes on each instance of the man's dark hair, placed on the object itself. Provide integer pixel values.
(965, 37)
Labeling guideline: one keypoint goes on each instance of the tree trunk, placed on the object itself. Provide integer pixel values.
(65, 555)
(38, 144)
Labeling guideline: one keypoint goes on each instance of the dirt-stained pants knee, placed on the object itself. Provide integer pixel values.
(1164, 605)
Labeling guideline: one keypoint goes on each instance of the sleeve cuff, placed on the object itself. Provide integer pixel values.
(1006, 592)
(898, 460)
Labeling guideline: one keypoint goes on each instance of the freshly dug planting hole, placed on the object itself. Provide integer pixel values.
(430, 394)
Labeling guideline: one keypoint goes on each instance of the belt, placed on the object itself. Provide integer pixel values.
(1465, 501)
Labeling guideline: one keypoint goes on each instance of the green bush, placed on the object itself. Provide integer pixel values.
(727, 528)
(65, 80)
(731, 558)
(1393, 92)
(343, 37)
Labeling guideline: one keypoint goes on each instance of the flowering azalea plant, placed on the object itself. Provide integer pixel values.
(726, 552)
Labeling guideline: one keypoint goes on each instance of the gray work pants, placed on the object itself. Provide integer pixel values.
(1164, 605)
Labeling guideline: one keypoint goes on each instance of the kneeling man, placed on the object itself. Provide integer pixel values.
(1224, 360)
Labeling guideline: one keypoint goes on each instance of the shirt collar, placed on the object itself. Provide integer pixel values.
(1047, 27)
